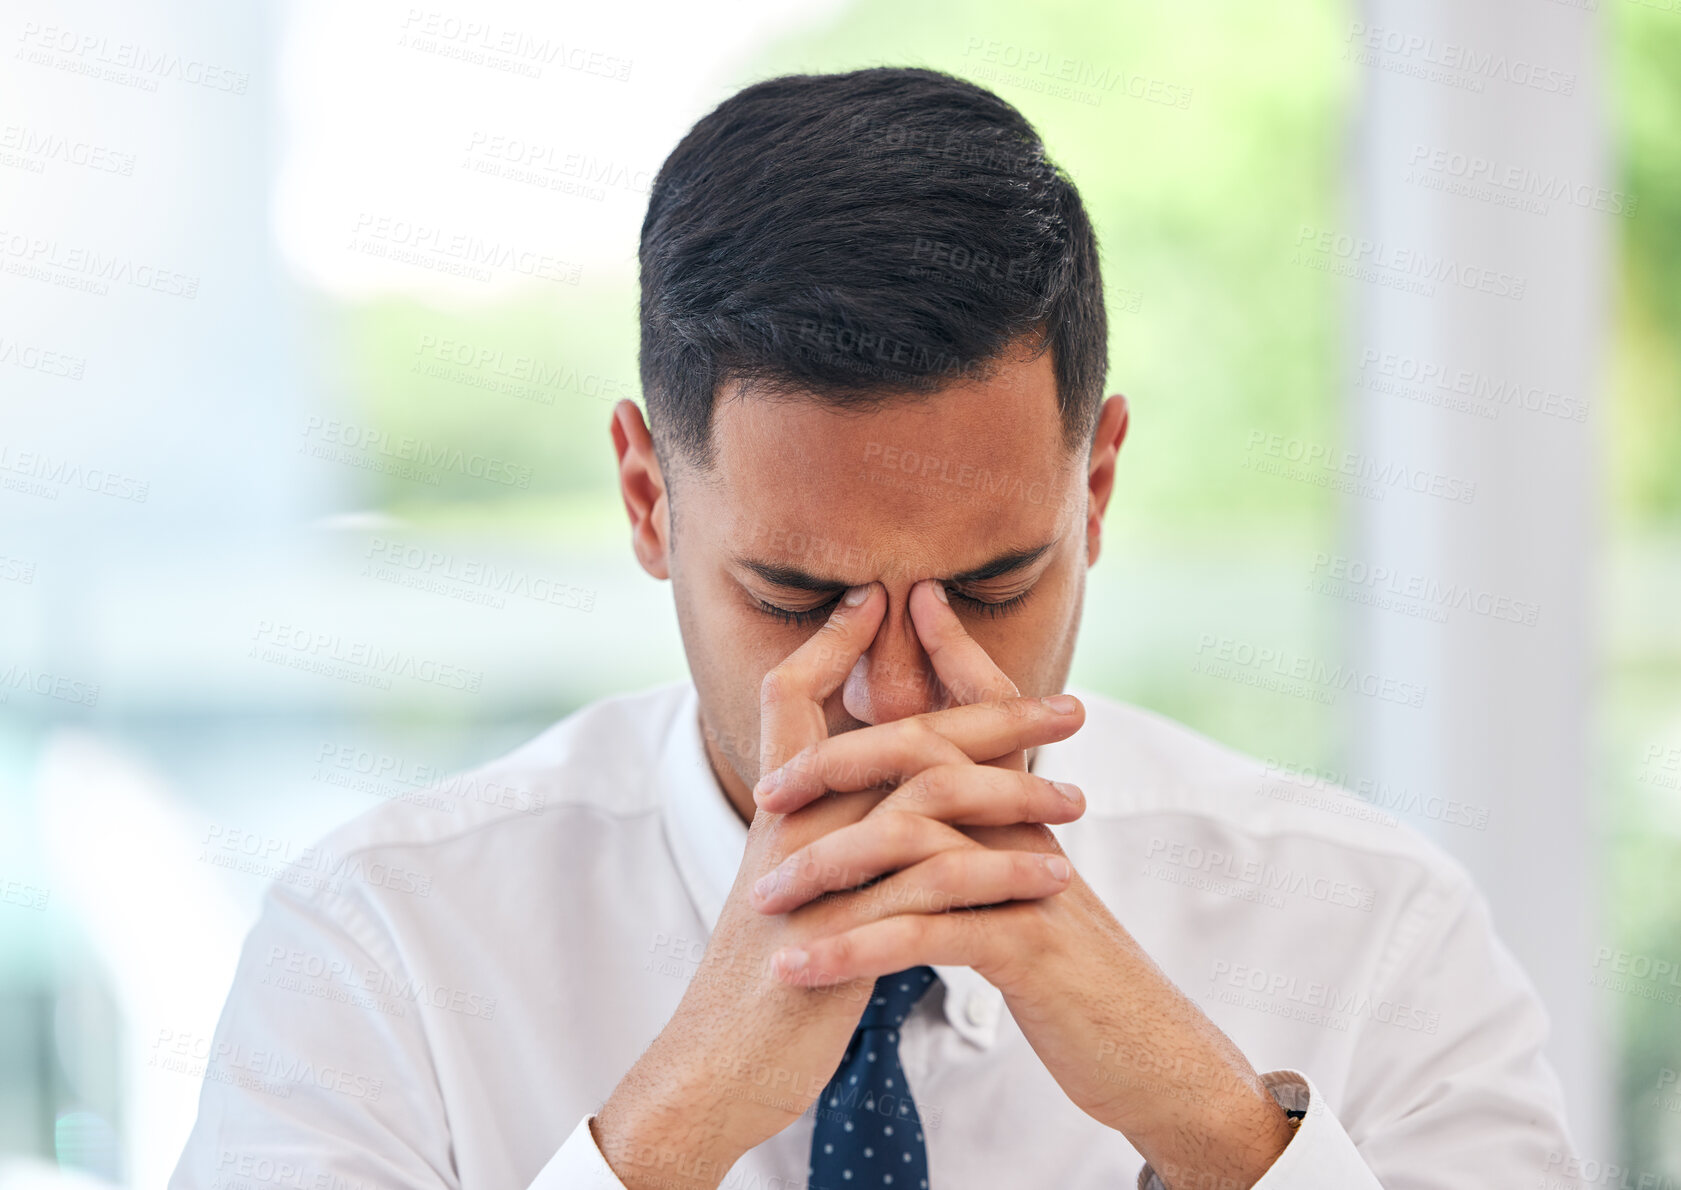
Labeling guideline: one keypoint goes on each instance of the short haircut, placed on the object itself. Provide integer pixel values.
(855, 236)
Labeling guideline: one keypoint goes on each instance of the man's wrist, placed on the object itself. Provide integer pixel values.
(1232, 1145)
(662, 1135)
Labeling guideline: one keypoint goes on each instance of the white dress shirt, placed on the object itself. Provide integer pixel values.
(454, 987)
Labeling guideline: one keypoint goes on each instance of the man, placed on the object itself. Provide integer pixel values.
(872, 902)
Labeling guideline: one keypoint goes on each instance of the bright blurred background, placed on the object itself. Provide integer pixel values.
(234, 311)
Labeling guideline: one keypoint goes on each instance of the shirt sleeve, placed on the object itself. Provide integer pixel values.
(1448, 1088)
(1320, 1156)
(317, 1077)
(578, 1165)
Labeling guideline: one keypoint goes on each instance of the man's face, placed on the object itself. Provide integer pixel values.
(971, 485)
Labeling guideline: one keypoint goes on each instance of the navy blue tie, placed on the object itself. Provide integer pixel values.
(868, 1134)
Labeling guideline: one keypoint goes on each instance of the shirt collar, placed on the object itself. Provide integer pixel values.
(707, 840)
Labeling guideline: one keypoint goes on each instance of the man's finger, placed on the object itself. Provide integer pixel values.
(982, 938)
(853, 855)
(965, 670)
(791, 696)
(981, 795)
(889, 753)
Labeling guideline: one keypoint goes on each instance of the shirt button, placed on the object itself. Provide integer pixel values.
(978, 1009)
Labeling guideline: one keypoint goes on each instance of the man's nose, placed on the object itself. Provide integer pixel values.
(893, 679)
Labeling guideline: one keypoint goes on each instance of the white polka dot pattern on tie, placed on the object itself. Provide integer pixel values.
(853, 1139)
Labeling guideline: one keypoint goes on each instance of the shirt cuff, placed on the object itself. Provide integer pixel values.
(1320, 1156)
(578, 1165)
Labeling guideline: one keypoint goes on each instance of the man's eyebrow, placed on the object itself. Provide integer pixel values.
(1003, 564)
(792, 578)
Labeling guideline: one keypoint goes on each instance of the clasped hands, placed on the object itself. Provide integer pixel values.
(923, 840)
(957, 848)
(954, 866)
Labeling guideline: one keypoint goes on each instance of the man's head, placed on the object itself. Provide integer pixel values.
(873, 350)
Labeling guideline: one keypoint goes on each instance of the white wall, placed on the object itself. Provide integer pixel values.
(1506, 722)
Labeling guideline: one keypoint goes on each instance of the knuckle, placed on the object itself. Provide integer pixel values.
(933, 790)
(897, 830)
(1026, 790)
(914, 931)
(1027, 870)
(915, 736)
(841, 951)
(938, 870)
(951, 874)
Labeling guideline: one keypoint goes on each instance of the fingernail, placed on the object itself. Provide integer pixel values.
(1062, 704)
(768, 784)
(791, 961)
(856, 595)
(1071, 792)
(940, 593)
(1057, 867)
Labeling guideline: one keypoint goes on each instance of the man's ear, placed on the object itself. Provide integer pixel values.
(1106, 444)
(642, 486)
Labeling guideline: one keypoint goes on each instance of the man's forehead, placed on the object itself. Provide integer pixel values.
(933, 487)
(1008, 421)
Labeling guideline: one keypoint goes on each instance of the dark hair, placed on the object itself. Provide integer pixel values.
(859, 235)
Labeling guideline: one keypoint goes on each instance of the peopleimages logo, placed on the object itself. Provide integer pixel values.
(37, 473)
(951, 475)
(87, 269)
(32, 148)
(471, 579)
(1291, 995)
(1639, 966)
(1449, 61)
(1299, 458)
(1489, 393)
(47, 685)
(123, 61)
(404, 455)
(456, 252)
(1217, 656)
(517, 375)
(1080, 79)
(1514, 184)
(1353, 574)
(514, 51)
(1224, 864)
(1282, 776)
(362, 662)
(34, 359)
(1391, 264)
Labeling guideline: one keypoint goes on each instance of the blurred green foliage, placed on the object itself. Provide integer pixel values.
(1644, 73)
(1643, 622)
